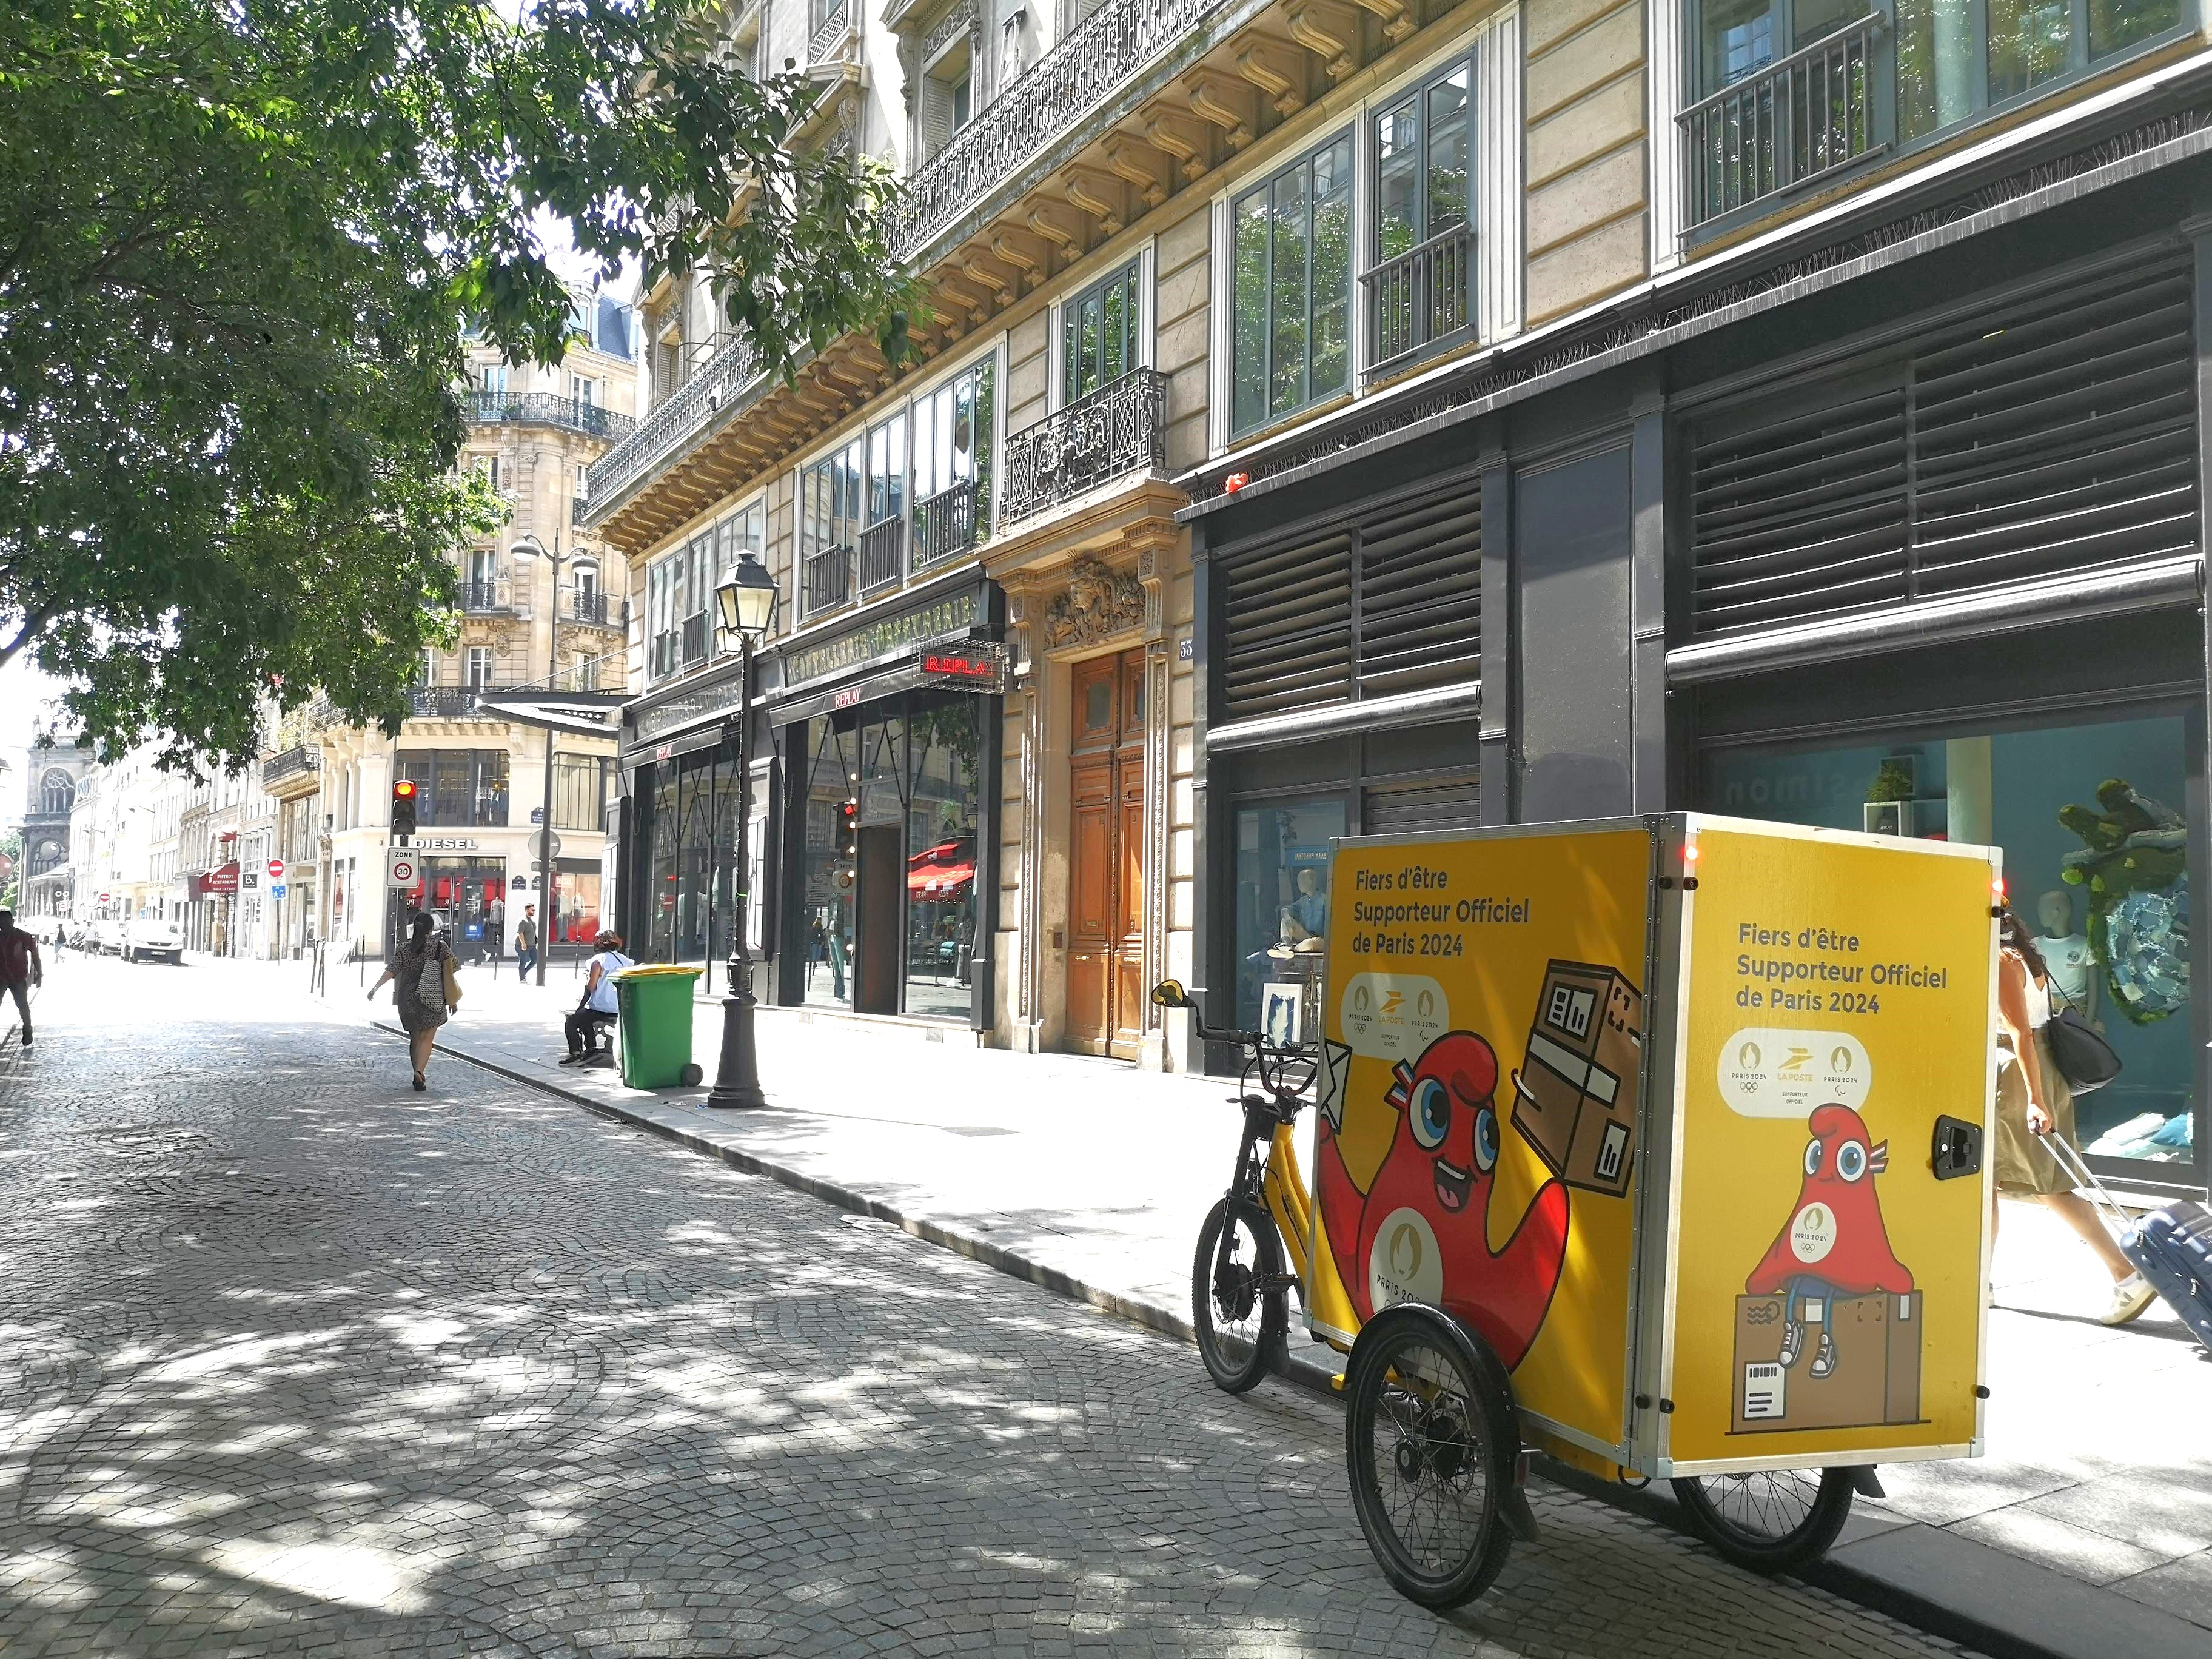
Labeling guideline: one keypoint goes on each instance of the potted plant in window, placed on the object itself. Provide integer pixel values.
(1888, 809)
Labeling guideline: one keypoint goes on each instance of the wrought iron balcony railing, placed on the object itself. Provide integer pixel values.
(1121, 427)
(577, 507)
(290, 763)
(1093, 60)
(1421, 298)
(1783, 124)
(483, 597)
(944, 524)
(693, 648)
(544, 408)
(591, 608)
(444, 701)
(679, 415)
(1099, 57)
(828, 579)
(883, 553)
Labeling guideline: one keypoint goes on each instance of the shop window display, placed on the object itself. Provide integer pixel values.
(2096, 861)
(832, 775)
(943, 803)
(1282, 902)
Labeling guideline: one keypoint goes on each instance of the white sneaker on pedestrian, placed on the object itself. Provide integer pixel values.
(2129, 1297)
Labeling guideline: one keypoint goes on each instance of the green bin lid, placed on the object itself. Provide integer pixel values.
(656, 970)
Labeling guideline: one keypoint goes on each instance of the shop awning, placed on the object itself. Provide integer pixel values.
(223, 878)
(943, 872)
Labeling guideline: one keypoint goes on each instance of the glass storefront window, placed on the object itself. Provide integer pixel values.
(1282, 901)
(943, 807)
(575, 914)
(2095, 859)
(830, 768)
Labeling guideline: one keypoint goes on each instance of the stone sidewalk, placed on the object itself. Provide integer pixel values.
(2086, 1529)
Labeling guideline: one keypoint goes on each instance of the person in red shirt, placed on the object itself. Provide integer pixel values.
(20, 968)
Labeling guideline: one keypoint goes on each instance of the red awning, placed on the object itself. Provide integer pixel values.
(223, 878)
(942, 872)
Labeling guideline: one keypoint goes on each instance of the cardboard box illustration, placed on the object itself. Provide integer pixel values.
(1875, 1378)
(1575, 1095)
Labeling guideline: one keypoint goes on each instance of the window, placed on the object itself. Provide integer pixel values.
(493, 380)
(660, 625)
(1421, 289)
(584, 389)
(829, 525)
(488, 469)
(1292, 287)
(457, 788)
(1282, 898)
(953, 427)
(581, 786)
(479, 668)
(588, 588)
(57, 792)
(1098, 334)
(887, 471)
(426, 672)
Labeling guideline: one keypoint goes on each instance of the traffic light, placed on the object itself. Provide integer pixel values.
(402, 807)
(848, 819)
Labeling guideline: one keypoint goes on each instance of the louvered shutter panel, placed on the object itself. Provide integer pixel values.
(1456, 805)
(2055, 434)
(1421, 594)
(2063, 437)
(936, 115)
(1289, 628)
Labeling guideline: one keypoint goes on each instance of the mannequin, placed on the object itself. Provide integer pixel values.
(1303, 917)
(2066, 955)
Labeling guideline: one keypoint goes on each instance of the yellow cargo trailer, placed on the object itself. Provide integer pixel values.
(1656, 1144)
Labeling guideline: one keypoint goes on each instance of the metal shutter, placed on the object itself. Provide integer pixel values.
(1289, 628)
(1421, 594)
(2055, 434)
(1454, 805)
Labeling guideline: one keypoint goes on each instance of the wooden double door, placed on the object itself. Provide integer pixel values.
(1106, 989)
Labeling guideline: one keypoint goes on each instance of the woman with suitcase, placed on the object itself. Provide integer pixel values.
(2033, 1102)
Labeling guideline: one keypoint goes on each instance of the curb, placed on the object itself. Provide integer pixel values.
(1944, 1619)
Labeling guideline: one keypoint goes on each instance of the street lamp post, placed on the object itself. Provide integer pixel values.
(746, 599)
(529, 547)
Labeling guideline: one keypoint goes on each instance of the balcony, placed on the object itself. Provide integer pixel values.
(442, 702)
(1420, 300)
(828, 579)
(694, 647)
(1786, 124)
(1119, 428)
(944, 524)
(292, 772)
(678, 417)
(544, 408)
(882, 555)
(488, 598)
(589, 609)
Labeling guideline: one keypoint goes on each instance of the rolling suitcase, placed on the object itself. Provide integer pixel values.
(2171, 1248)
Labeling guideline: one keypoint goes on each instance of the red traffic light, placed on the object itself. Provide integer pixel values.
(404, 790)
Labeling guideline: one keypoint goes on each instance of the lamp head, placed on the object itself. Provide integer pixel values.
(746, 597)
(528, 547)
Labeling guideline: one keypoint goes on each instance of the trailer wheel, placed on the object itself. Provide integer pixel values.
(1773, 1520)
(1432, 1442)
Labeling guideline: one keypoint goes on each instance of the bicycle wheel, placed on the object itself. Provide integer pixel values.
(1237, 1308)
(1430, 1440)
(1772, 1521)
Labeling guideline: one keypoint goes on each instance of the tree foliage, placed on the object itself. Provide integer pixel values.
(240, 243)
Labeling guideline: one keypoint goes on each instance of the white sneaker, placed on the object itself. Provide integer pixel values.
(2129, 1297)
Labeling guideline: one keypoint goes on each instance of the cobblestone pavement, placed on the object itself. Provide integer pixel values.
(292, 1360)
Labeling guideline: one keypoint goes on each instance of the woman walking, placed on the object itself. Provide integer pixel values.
(418, 1016)
(2033, 1100)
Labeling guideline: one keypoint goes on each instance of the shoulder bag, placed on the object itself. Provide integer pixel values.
(2086, 1059)
(450, 981)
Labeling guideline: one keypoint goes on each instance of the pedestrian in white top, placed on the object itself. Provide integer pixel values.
(599, 998)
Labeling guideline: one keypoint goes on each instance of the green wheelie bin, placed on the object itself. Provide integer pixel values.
(655, 1010)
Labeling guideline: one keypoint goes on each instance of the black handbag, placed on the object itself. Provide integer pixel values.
(2085, 1058)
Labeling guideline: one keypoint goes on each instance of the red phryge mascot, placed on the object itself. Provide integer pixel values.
(1834, 1243)
(1421, 1231)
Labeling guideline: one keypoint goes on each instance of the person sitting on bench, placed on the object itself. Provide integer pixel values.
(596, 1011)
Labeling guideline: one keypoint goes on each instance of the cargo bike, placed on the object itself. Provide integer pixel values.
(1653, 1145)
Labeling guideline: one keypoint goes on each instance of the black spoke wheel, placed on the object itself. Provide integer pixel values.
(1772, 1520)
(1430, 1440)
(1237, 1308)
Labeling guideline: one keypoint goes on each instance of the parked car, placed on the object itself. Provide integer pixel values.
(108, 936)
(149, 937)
